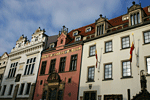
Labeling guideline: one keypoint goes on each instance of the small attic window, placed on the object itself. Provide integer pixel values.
(52, 45)
(88, 29)
(78, 38)
(75, 33)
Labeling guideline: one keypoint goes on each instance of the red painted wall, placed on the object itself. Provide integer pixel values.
(69, 87)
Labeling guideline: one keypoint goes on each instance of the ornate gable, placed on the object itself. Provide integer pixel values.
(134, 7)
(5, 55)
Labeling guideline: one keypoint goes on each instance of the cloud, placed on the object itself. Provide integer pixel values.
(19, 17)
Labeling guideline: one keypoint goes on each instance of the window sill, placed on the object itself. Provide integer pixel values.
(27, 75)
(89, 81)
(126, 77)
(146, 43)
(91, 56)
(125, 48)
(107, 79)
(108, 52)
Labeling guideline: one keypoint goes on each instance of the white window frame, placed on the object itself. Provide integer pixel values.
(75, 33)
(88, 29)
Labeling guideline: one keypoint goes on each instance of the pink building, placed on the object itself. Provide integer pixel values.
(59, 71)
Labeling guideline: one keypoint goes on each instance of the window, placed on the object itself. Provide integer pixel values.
(30, 66)
(90, 95)
(62, 64)
(126, 69)
(108, 46)
(4, 88)
(78, 38)
(73, 64)
(61, 41)
(148, 65)
(19, 45)
(52, 45)
(41, 82)
(69, 80)
(92, 50)
(125, 42)
(28, 88)
(43, 67)
(36, 38)
(1, 76)
(135, 18)
(88, 29)
(91, 71)
(108, 71)
(100, 29)
(21, 89)
(10, 89)
(12, 70)
(4, 62)
(113, 97)
(60, 95)
(147, 37)
(75, 33)
(52, 66)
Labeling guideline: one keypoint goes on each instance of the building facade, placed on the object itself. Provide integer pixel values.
(3, 64)
(116, 77)
(59, 71)
(22, 67)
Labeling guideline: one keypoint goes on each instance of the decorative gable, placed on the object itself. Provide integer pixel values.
(5, 55)
(61, 40)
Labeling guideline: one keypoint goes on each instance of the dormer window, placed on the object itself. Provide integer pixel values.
(100, 29)
(78, 38)
(52, 45)
(88, 29)
(135, 18)
(75, 33)
(36, 38)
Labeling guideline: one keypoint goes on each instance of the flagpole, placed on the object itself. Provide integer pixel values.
(100, 60)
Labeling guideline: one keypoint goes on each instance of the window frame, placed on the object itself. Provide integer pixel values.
(51, 65)
(10, 89)
(111, 46)
(12, 70)
(91, 75)
(108, 72)
(21, 89)
(78, 39)
(147, 65)
(29, 70)
(126, 69)
(93, 54)
(90, 92)
(4, 90)
(71, 59)
(125, 41)
(135, 18)
(42, 73)
(144, 36)
(75, 32)
(100, 29)
(27, 91)
(88, 29)
(61, 64)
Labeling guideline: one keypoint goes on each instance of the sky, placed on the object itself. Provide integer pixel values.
(19, 17)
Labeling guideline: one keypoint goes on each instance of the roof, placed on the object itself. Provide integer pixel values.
(51, 39)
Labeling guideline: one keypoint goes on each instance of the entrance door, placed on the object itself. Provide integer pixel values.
(90, 95)
(52, 94)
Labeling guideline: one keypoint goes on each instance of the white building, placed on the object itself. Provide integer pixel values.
(3, 63)
(115, 78)
(23, 63)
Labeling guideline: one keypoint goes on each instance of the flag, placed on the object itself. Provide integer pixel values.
(96, 57)
(131, 49)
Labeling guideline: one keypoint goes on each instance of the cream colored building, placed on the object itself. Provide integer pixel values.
(116, 78)
(22, 68)
(3, 64)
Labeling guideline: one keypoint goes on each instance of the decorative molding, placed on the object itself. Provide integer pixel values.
(15, 58)
(32, 53)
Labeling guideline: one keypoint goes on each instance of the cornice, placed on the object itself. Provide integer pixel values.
(26, 48)
(15, 58)
(28, 54)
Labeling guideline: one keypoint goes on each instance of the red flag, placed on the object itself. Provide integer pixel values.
(131, 49)
(96, 57)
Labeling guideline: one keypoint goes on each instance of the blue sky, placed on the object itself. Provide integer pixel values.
(19, 17)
